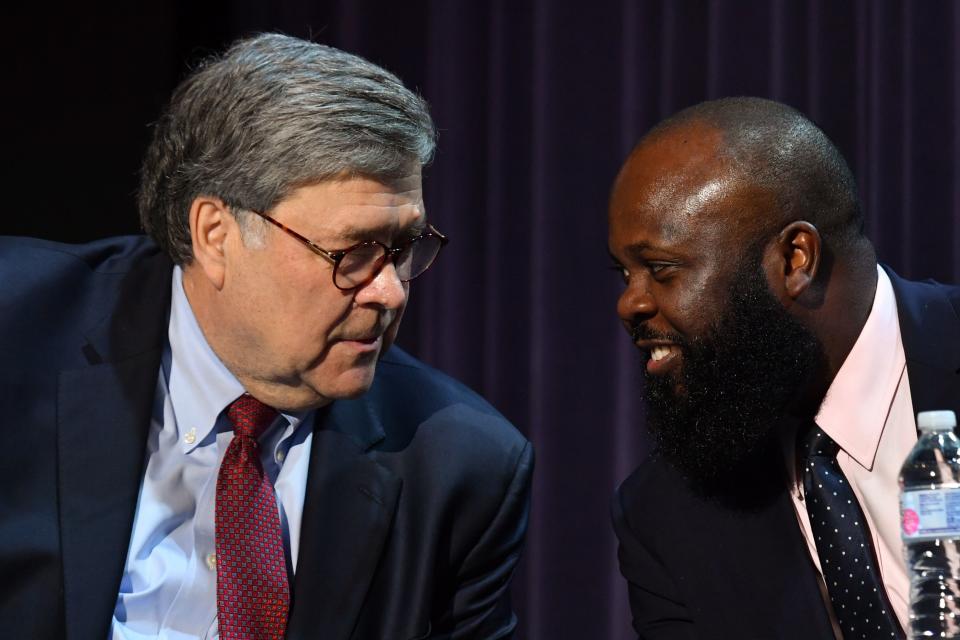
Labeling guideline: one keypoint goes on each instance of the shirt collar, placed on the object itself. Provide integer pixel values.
(855, 409)
(200, 385)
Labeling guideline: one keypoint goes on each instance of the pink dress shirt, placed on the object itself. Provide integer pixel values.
(868, 412)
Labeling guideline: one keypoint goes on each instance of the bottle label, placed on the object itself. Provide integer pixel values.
(926, 514)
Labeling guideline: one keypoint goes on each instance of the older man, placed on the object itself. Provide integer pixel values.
(208, 434)
(783, 372)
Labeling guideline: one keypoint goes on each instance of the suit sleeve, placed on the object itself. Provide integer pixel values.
(480, 607)
(658, 613)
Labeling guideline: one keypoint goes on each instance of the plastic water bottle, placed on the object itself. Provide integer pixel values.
(930, 526)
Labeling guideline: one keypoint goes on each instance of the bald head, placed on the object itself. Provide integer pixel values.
(775, 149)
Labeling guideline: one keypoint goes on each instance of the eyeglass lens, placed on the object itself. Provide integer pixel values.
(361, 263)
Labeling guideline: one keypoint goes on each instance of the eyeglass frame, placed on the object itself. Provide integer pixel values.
(335, 257)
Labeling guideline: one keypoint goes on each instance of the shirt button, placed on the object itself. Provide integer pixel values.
(212, 561)
(279, 456)
(191, 436)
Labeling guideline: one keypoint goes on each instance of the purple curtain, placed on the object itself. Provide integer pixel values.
(537, 104)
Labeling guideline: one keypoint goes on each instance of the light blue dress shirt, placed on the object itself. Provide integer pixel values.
(169, 586)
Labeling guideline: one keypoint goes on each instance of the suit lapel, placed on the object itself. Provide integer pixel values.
(347, 514)
(103, 417)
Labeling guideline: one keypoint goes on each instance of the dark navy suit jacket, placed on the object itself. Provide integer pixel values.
(697, 569)
(417, 497)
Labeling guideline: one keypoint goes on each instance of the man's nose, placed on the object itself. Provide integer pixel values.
(385, 290)
(636, 303)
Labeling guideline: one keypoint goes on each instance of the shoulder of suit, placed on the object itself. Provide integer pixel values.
(38, 274)
(104, 256)
(650, 503)
(415, 395)
(427, 382)
(53, 292)
(653, 481)
(922, 291)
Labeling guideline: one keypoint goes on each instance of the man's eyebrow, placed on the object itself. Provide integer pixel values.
(643, 251)
(363, 234)
(638, 248)
(643, 245)
(349, 234)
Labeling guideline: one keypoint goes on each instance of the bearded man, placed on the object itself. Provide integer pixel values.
(783, 370)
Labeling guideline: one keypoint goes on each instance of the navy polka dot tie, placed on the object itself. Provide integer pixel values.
(253, 594)
(843, 544)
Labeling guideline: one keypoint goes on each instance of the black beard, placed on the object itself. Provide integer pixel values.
(736, 385)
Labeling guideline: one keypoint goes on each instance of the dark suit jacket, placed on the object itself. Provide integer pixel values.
(696, 569)
(417, 495)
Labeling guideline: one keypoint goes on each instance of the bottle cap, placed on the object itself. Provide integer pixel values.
(936, 420)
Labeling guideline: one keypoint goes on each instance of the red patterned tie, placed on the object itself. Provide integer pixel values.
(253, 595)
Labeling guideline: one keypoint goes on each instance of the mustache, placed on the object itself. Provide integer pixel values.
(638, 331)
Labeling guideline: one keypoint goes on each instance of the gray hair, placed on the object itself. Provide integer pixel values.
(272, 114)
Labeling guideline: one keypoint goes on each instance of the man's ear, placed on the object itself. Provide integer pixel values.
(211, 225)
(796, 257)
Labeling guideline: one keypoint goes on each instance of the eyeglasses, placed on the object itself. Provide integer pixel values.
(357, 265)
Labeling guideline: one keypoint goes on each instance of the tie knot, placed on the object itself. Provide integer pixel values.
(249, 416)
(817, 443)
